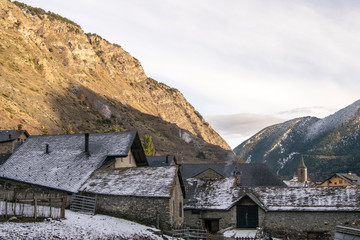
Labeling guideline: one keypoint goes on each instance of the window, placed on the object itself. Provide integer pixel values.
(340, 181)
(180, 209)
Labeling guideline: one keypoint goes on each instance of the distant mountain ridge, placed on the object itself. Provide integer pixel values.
(328, 145)
(53, 74)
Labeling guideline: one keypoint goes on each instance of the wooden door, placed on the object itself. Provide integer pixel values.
(247, 216)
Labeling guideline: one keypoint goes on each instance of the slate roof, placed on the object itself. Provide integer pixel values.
(4, 157)
(223, 194)
(11, 135)
(160, 161)
(66, 167)
(252, 174)
(352, 178)
(140, 181)
(310, 199)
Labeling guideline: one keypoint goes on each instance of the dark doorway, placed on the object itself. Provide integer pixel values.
(212, 225)
(247, 216)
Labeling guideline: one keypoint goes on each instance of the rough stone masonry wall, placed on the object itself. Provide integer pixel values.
(227, 218)
(296, 225)
(177, 205)
(150, 210)
(7, 147)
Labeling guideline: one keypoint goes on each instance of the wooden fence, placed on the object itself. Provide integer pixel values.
(189, 233)
(34, 208)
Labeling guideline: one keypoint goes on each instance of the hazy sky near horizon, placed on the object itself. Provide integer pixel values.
(243, 65)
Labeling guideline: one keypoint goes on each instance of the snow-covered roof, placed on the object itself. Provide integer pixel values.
(310, 199)
(141, 182)
(205, 194)
(66, 166)
(209, 194)
(294, 183)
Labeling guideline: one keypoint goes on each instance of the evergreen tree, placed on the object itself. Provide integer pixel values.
(68, 129)
(148, 145)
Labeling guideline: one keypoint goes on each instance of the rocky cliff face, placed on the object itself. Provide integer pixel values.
(329, 145)
(52, 74)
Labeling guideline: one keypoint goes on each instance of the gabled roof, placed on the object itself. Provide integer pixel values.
(310, 199)
(208, 171)
(160, 161)
(252, 174)
(4, 157)
(223, 194)
(67, 166)
(141, 182)
(11, 135)
(351, 178)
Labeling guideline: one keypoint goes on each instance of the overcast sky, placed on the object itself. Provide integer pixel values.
(242, 64)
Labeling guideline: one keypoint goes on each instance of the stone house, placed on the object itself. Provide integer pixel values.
(298, 213)
(121, 192)
(62, 164)
(10, 140)
(341, 179)
(211, 181)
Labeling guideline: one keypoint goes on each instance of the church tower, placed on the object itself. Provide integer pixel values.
(302, 171)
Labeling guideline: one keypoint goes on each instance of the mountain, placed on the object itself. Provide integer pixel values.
(53, 74)
(328, 145)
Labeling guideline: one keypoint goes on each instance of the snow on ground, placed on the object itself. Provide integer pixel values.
(78, 226)
(236, 233)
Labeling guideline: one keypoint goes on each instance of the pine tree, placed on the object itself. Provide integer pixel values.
(148, 145)
(68, 129)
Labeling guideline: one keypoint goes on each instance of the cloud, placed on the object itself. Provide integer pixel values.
(236, 128)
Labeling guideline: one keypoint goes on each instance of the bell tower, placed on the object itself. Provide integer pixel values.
(302, 171)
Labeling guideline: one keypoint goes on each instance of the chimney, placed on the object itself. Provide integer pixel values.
(47, 148)
(87, 143)
(9, 136)
(20, 127)
(167, 158)
(238, 178)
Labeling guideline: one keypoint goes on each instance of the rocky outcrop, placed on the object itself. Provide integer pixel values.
(52, 74)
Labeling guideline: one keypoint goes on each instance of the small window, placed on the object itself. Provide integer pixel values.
(340, 181)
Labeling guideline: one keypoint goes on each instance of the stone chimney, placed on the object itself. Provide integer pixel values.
(47, 148)
(237, 175)
(20, 127)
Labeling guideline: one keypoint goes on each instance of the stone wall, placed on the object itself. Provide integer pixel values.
(7, 147)
(152, 211)
(227, 218)
(177, 204)
(297, 225)
(209, 173)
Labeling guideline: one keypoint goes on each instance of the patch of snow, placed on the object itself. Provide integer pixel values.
(185, 136)
(106, 111)
(283, 161)
(237, 233)
(248, 160)
(78, 226)
(330, 122)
